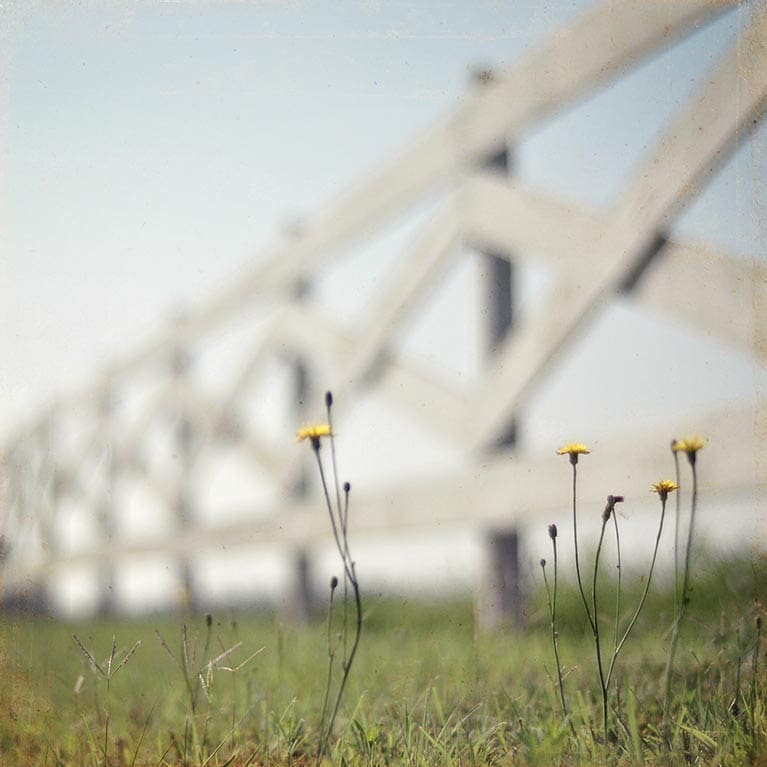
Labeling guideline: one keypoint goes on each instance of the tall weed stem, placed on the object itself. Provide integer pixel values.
(339, 514)
(690, 447)
(551, 597)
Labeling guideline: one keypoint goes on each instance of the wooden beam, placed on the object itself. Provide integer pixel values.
(543, 230)
(597, 47)
(508, 489)
(434, 404)
(415, 279)
(729, 103)
(724, 297)
(602, 43)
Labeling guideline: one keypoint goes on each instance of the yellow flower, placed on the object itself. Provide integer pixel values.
(664, 487)
(689, 445)
(573, 449)
(314, 432)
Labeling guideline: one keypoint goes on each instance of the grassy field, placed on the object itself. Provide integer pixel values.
(425, 689)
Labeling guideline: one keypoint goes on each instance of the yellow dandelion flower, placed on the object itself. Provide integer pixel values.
(573, 449)
(663, 487)
(313, 432)
(690, 446)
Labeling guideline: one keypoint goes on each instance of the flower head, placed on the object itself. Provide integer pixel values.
(573, 449)
(691, 445)
(663, 487)
(610, 506)
(313, 432)
(552, 532)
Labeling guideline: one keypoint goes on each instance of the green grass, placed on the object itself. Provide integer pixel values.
(426, 690)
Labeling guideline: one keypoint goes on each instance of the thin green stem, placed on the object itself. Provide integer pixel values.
(753, 697)
(684, 598)
(106, 723)
(619, 645)
(348, 664)
(677, 517)
(329, 408)
(329, 680)
(595, 628)
(551, 598)
(575, 541)
(619, 585)
(331, 513)
(338, 520)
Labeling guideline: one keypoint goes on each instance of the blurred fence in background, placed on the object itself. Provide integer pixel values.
(142, 434)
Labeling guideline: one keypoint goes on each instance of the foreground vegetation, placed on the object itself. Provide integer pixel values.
(426, 689)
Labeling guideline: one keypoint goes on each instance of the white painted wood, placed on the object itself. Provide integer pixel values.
(510, 218)
(429, 402)
(696, 143)
(597, 46)
(415, 279)
(526, 490)
(733, 291)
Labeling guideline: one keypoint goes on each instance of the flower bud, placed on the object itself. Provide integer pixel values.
(552, 531)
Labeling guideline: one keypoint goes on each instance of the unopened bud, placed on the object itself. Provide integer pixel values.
(328, 399)
(347, 488)
(542, 563)
(333, 583)
(552, 531)
(208, 620)
(610, 507)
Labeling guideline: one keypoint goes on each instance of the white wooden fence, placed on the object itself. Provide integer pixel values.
(82, 448)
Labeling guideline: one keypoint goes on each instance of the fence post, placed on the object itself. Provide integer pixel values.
(106, 503)
(299, 603)
(500, 598)
(181, 362)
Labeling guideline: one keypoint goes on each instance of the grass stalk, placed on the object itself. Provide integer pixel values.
(574, 464)
(595, 623)
(753, 692)
(690, 447)
(645, 592)
(339, 514)
(677, 522)
(551, 598)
